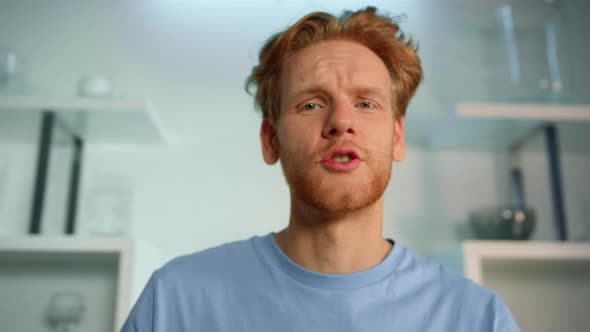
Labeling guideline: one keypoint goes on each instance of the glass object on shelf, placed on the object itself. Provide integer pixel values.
(534, 40)
(109, 209)
(65, 310)
(91, 85)
(11, 72)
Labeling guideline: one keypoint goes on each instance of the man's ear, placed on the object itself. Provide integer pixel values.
(268, 140)
(399, 142)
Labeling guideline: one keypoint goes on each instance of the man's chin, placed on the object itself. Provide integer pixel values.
(340, 206)
(337, 202)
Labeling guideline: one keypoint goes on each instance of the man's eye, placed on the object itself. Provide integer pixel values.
(366, 104)
(311, 107)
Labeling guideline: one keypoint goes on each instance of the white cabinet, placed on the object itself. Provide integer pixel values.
(33, 268)
(546, 284)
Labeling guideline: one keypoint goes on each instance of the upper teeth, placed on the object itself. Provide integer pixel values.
(342, 158)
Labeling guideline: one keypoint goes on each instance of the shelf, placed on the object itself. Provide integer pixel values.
(477, 252)
(33, 268)
(526, 111)
(96, 120)
(63, 244)
(497, 126)
(546, 284)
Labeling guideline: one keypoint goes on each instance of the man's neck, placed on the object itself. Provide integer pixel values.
(335, 243)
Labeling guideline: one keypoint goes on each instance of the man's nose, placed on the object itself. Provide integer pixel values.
(340, 120)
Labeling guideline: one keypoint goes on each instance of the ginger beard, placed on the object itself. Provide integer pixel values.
(309, 183)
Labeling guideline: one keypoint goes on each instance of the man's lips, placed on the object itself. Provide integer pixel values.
(340, 151)
(329, 162)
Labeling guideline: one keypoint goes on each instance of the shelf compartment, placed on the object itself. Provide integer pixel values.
(546, 284)
(32, 268)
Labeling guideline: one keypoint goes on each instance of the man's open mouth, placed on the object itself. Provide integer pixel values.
(343, 158)
(341, 154)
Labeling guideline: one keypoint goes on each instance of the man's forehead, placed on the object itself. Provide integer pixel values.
(336, 50)
(336, 60)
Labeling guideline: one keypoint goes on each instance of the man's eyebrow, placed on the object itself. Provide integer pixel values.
(370, 91)
(302, 92)
(359, 91)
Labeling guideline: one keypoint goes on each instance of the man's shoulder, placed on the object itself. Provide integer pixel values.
(213, 262)
(440, 289)
(428, 272)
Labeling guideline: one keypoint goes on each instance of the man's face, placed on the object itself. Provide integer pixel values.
(336, 136)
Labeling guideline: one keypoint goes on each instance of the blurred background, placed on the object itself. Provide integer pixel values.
(171, 162)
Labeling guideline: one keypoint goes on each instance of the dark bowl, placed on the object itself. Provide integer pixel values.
(503, 223)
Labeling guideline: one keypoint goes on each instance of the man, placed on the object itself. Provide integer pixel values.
(333, 93)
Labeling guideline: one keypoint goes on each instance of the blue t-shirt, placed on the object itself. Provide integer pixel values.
(252, 285)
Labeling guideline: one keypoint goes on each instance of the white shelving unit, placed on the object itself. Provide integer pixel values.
(32, 268)
(96, 120)
(546, 284)
(76, 122)
(498, 126)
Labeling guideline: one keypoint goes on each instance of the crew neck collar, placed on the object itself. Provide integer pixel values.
(326, 281)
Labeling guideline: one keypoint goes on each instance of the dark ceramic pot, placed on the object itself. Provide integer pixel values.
(503, 223)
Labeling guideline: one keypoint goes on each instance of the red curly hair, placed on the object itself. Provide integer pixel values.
(380, 34)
